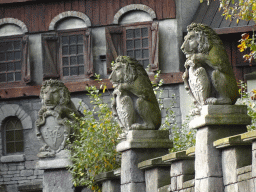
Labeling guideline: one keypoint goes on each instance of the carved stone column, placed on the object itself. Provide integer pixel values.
(140, 145)
(215, 122)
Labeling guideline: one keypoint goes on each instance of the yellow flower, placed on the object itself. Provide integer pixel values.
(242, 46)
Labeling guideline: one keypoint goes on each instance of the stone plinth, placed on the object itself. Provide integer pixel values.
(109, 181)
(140, 145)
(215, 122)
(56, 176)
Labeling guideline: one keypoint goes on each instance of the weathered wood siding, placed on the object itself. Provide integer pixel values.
(38, 15)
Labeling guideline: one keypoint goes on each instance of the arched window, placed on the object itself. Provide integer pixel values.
(13, 140)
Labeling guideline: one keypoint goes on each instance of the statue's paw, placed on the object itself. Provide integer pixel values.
(195, 112)
(44, 148)
(211, 101)
(137, 126)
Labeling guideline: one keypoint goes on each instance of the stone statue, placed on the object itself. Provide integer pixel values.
(51, 127)
(135, 104)
(208, 75)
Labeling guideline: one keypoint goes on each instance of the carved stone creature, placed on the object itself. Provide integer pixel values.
(134, 104)
(208, 75)
(57, 107)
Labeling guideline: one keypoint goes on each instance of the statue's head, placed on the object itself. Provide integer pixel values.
(200, 39)
(126, 70)
(54, 93)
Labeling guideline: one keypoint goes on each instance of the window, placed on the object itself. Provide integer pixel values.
(68, 55)
(139, 40)
(14, 66)
(13, 136)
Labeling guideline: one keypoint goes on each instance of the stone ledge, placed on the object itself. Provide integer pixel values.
(180, 155)
(191, 151)
(249, 136)
(221, 115)
(106, 176)
(243, 170)
(230, 141)
(188, 184)
(12, 158)
(34, 186)
(244, 177)
(151, 163)
(117, 172)
(164, 188)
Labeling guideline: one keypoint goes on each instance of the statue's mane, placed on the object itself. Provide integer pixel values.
(58, 86)
(133, 68)
(208, 38)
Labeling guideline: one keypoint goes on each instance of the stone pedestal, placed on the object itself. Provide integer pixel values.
(109, 181)
(140, 145)
(56, 176)
(215, 122)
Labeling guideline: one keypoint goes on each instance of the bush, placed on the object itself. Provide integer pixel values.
(93, 149)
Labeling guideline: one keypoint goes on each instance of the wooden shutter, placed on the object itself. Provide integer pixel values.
(155, 47)
(50, 62)
(25, 60)
(114, 43)
(89, 57)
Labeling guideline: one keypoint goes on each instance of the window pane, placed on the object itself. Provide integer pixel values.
(19, 135)
(17, 55)
(65, 50)
(17, 45)
(137, 44)
(19, 146)
(10, 66)
(2, 77)
(137, 54)
(73, 60)
(9, 135)
(65, 61)
(2, 56)
(145, 53)
(144, 42)
(73, 71)
(80, 49)
(130, 54)
(9, 46)
(65, 40)
(80, 38)
(129, 44)
(145, 63)
(17, 76)
(10, 148)
(2, 67)
(17, 66)
(81, 70)
(10, 56)
(10, 77)
(80, 59)
(65, 71)
(137, 33)
(72, 49)
(73, 39)
(129, 33)
(2, 46)
(144, 32)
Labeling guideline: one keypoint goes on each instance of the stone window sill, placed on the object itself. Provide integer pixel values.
(12, 158)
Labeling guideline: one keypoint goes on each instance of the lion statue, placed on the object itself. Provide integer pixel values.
(56, 102)
(208, 75)
(134, 104)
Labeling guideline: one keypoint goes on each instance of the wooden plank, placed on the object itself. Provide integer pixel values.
(159, 9)
(75, 5)
(28, 17)
(211, 12)
(234, 21)
(151, 4)
(41, 17)
(68, 6)
(110, 12)
(233, 30)
(89, 10)
(242, 23)
(217, 19)
(95, 13)
(82, 6)
(103, 12)
(201, 12)
(172, 9)
(48, 15)
(165, 9)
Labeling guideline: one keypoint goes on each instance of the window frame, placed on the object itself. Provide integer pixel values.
(22, 60)
(4, 141)
(147, 25)
(88, 62)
